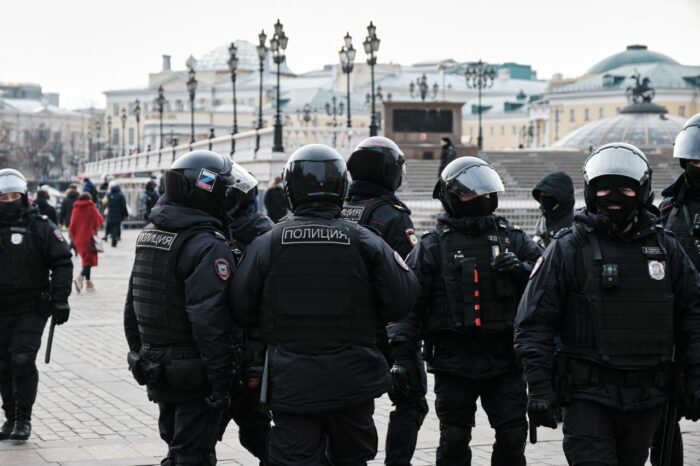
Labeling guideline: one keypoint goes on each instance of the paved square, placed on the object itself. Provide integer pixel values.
(90, 411)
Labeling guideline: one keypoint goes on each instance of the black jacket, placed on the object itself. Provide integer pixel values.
(275, 203)
(116, 205)
(447, 155)
(543, 308)
(206, 292)
(426, 262)
(66, 209)
(47, 209)
(309, 381)
(558, 184)
(245, 228)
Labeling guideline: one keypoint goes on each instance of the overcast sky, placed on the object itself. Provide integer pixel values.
(80, 48)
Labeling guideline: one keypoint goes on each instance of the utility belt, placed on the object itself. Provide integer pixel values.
(31, 298)
(572, 372)
(178, 367)
(498, 344)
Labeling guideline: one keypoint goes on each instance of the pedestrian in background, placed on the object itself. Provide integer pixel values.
(85, 221)
(447, 153)
(275, 200)
(66, 209)
(116, 212)
(89, 187)
(148, 199)
(42, 203)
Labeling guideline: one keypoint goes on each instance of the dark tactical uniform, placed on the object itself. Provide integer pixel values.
(378, 208)
(35, 274)
(466, 311)
(178, 325)
(560, 186)
(617, 303)
(318, 286)
(253, 418)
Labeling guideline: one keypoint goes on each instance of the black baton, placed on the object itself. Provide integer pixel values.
(49, 342)
(533, 432)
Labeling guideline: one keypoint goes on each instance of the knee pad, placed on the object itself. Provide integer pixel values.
(511, 438)
(23, 363)
(454, 440)
(5, 371)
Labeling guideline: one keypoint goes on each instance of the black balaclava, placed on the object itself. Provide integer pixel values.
(11, 210)
(548, 203)
(622, 217)
(692, 177)
(477, 207)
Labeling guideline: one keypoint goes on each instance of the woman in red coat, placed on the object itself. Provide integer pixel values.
(85, 220)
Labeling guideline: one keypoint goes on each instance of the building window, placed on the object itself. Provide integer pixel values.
(115, 109)
(601, 112)
(681, 110)
(503, 130)
(585, 114)
(131, 136)
(514, 130)
(491, 130)
(572, 115)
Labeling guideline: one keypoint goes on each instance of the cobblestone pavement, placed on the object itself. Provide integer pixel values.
(90, 411)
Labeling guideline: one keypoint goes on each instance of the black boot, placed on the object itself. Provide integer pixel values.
(9, 423)
(23, 423)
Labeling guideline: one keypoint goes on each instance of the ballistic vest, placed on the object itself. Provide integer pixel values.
(360, 212)
(158, 292)
(623, 317)
(22, 266)
(680, 222)
(318, 287)
(472, 295)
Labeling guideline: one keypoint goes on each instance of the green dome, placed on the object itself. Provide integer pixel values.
(633, 55)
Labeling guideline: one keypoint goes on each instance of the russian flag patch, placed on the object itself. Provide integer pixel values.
(206, 180)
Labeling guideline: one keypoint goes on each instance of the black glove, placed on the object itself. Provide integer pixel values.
(541, 405)
(506, 262)
(218, 402)
(60, 312)
(400, 379)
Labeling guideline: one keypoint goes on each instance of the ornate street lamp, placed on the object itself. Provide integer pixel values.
(137, 114)
(159, 103)
(123, 118)
(262, 52)
(304, 115)
(109, 137)
(233, 67)
(371, 46)
(334, 111)
(212, 135)
(479, 76)
(423, 88)
(347, 59)
(192, 89)
(278, 45)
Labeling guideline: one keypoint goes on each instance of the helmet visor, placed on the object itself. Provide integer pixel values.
(475, 181)
(318, 178)
(12, 183)
(242, 179)
(616, 161)
(687, 145)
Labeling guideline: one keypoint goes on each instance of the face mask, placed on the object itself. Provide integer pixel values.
(692, 176)
(9, 210)
(548, 203)
(477, 207)
(622, 217)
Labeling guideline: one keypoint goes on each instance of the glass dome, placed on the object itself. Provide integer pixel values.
(634, 54)
(217, 59)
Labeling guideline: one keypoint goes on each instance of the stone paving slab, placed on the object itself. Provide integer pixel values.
(89, 411)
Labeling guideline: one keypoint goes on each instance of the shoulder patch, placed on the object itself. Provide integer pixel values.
(156, 239)
(206, 180)
(58, 235)
(314, 234)
(222, 269)
(352, 213)
(400, 261)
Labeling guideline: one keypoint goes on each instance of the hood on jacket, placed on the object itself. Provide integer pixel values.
(170, 216)
(559, 185)
(248, 227)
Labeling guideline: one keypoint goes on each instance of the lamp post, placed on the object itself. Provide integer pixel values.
(479, 76)
(262, 52)
(192, 89)
(233, 67)
(304, 114)
(109, 137)
(347, 59)
(423, 88)
(334, 110)
(98, 132)
(137, 114)
(160, 105)
(371, 45)
(123, 118)
(278, 44)
(89, 145)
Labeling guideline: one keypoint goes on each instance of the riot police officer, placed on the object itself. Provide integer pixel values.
(621, 292)
(555, 194)
(377, 167)
(245, 223)
(318, 286)
(35, 282)
(177, 320)
(473, 268)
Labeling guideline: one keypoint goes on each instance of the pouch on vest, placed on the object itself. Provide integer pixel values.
(152, 371)
(462, 287)
(185, 374)
(134, 360)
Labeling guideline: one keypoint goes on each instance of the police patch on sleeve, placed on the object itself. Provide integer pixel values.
(352, 213)
(156, 239)
(411, 235)
(400, 261)
(58, 235)
(537, 266)
(222, 268)
(657, 270)
(206, 180)
(16, 238)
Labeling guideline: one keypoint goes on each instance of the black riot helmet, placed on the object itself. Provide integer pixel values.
(467, 176)
(242, 193)
(315, 173)
(12, 181)
(617, 159)
(687, 144)
(200, 179)
(378, 160)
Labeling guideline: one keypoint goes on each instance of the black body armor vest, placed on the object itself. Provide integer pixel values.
(361, 211)
(318, 289)
(623, 317)
(681, 222)
(22, 266)
(472, 296)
